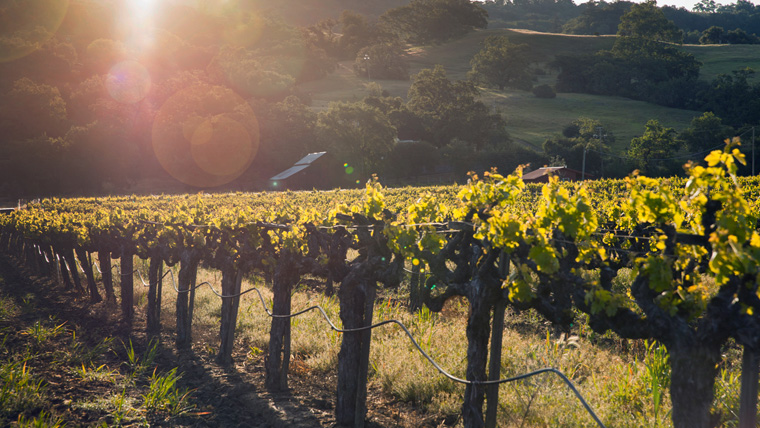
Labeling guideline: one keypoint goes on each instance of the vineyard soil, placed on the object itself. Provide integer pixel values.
(219, 397)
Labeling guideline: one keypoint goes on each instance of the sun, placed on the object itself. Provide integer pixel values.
(138, 23)
(141, 10)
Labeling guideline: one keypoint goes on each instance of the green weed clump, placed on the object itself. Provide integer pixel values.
(43, 420)
(95, 373)
(41, 333)
(138, 364)
(80, 353)
(20, 390)
(164, 395)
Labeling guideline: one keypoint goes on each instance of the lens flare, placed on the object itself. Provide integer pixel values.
(26, 25)
(128, 82)
(205, 136)
(221, 146)
(349, 170)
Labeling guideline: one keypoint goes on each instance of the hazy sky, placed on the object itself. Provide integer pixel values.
(688, 4)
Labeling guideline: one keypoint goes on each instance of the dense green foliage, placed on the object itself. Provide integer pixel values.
(449, 110)
(501, 64)
(639, 65)
(434, 21)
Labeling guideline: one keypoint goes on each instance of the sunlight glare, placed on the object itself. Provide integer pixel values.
(138, 26)
(205, 136)
(221, 146)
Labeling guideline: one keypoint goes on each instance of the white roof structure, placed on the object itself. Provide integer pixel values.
(299, 166)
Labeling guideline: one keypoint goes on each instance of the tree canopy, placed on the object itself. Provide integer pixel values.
(647, 21)
(502, 64)
(382, 61)
(653, 148)
(434, 21)
(449, 110)
(358, 134)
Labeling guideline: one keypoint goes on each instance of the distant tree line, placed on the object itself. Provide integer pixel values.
(736, 23)
(646, 64)
(660, 151)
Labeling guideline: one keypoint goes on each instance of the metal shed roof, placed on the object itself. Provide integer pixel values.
(541, 172)
(289, 172)
(311, 157)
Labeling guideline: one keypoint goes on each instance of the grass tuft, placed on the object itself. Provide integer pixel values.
(164, 395)
(20, 390)
(43, 420)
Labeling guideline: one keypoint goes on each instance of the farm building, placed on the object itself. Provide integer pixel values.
(313, 171)
(541, 175)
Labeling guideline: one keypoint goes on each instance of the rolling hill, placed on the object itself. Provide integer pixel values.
(530, 119)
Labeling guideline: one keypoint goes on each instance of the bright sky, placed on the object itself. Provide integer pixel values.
(687, 4)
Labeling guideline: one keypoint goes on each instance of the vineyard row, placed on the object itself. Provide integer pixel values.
(675, 261)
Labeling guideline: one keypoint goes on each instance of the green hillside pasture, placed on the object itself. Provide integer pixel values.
(340, 85)
(343, 85)
(456, 56)
(533, 119)
(723, 59)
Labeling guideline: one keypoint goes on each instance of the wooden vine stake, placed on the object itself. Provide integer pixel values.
(127, 285)
(155, 274)
(415, 284)
(748, 398)
(497, 336)
(494, 363)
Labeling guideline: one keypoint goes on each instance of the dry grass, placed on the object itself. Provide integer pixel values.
(612, 374)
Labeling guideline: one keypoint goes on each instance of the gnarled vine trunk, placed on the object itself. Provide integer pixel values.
(63, 270)
(188, 271)
(693, 371)
(356, 294)
(277, 363)
(155, 273)
(104, 260)
(232, 279)
(127, 286)
(92, 287)
(68, 256)
(478, 332)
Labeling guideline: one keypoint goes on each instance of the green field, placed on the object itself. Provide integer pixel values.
(723, 59)
(455, 56)
(530, 119)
